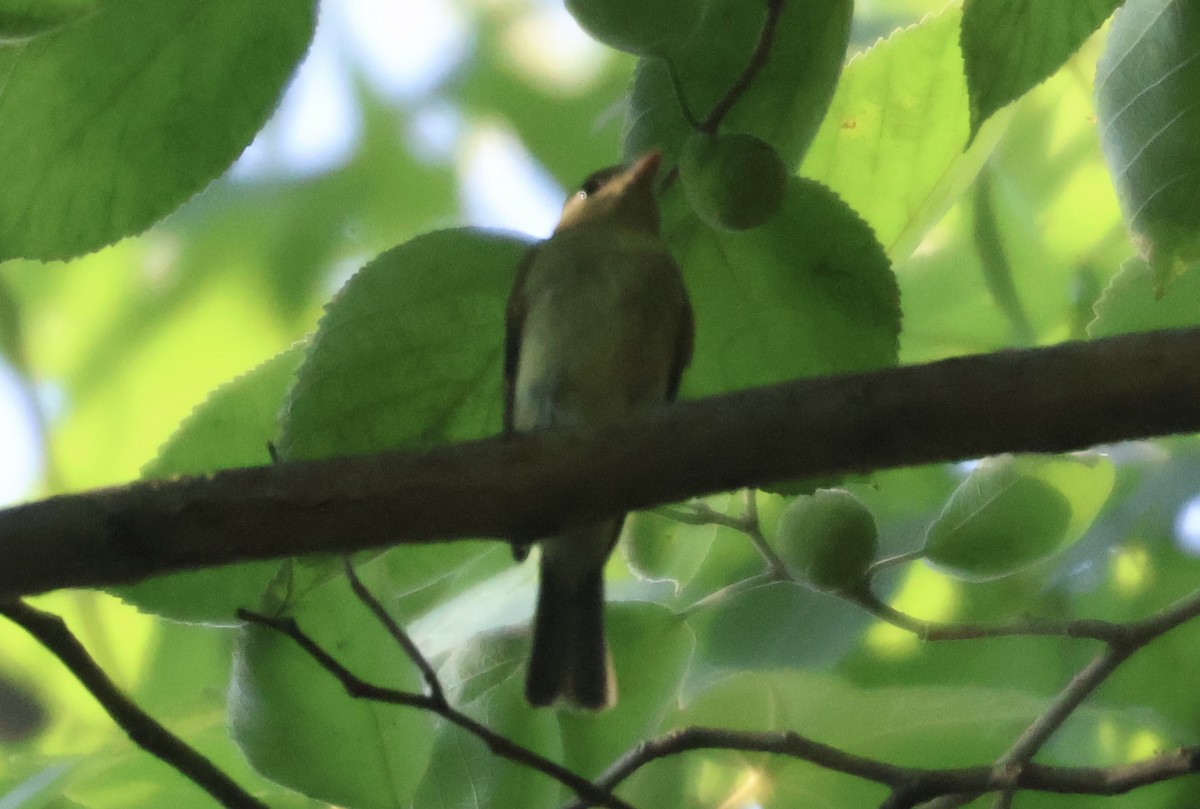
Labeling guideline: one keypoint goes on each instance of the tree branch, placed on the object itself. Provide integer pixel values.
(143, 729)
(435, 701)
(1121, 641)
(1053, 399)
(911, 785)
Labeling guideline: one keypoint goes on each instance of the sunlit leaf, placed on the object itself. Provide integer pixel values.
(892, 143)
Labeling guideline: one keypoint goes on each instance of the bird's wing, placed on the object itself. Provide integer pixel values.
(514, 320)
(683, 346)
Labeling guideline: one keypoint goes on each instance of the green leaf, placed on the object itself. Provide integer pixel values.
(1009, 46)
(785, 103)
(22, 19)
(109, 124)
(777, 625)
(231, 428)
(892, 143)
(463, 772)
(1012, 511)
(296, 724)
(651, 29)
(1146, 88)
(659, 548)
(410, 351)
(1132, 303)
(809, 293)
(651, 650)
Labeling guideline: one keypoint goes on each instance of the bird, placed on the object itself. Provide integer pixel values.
(598, 327)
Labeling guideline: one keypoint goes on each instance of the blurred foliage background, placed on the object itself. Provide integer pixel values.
(406, 117)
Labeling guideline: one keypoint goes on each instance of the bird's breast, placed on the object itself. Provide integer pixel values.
(599, 334)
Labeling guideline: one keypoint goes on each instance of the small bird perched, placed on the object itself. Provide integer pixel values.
(598, 327)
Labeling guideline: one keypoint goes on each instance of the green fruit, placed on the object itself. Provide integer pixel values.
(733, 182)
(830, 537)
(644, 27)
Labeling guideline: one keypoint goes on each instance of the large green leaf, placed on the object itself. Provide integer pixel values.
(810, 292)
(409, 352)
(108, 124)
(297, 725)
(1147, 83)
(892, 143)
(1009, 46)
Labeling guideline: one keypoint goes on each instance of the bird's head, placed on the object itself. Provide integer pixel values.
(618, 196)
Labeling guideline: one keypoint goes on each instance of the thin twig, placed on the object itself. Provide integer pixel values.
(726, 592)
(588, 793)
(934, 631)
(677, 85)
(911, 785)
(146, 732)
(880, 565)
(954, 787)
(777, 568)
(712, 122)
(758, 60)
(700, 513)
(436, 694)
(1122, 641)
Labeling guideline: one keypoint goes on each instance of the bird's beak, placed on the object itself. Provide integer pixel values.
(644, 169)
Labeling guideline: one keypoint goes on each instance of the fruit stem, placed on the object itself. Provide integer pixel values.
(758, 60)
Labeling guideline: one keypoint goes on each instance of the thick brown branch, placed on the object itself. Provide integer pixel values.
(1051, 399)
(143, 729)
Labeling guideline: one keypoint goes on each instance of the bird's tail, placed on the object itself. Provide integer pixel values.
(570, 658)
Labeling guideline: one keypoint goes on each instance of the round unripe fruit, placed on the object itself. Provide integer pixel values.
(733, 182)
(643, 27)
(830, 537)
